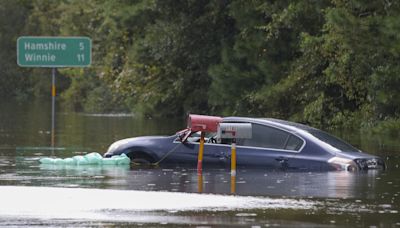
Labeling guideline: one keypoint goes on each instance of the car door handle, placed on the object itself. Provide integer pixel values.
(283, 162)
(222, 155)
(281, 159)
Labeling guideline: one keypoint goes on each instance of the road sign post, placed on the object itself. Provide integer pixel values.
(53, 106)
(54, 52)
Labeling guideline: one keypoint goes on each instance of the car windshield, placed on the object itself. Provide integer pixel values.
(333, 141)
(190, 136)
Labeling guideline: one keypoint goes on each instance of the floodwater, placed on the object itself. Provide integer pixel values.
(169, 196)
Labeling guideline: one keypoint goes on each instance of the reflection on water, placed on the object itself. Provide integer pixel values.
(170, 195)
(28, 125)
(64, 201)
(178, 195)
(44, 203)
(372, 184)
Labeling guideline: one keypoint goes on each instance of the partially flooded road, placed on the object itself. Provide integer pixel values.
(52, 195)
(32, 194)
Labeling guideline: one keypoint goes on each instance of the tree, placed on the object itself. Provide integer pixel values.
(259, 55)
(14, 81)
(166, 70)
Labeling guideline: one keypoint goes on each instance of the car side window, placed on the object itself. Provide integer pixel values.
(269, 137)
(293, 143)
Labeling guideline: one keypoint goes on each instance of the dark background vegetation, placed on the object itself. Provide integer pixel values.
(328, 63)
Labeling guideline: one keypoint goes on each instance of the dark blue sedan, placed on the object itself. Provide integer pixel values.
(275, 144)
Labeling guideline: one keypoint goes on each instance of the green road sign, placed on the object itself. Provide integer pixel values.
(41, 51)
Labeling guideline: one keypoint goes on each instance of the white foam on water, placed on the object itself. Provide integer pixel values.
(78, 203)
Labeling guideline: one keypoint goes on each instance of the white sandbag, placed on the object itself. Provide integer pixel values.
(59, 161)
(94, 158)
(108, 161)
(88, 159)
(47, 161)
(123, 160)
(80, 160)
(69, 161)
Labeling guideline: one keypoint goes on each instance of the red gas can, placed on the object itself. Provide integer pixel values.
(203, 123)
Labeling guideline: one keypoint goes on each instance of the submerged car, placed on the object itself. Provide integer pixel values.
(274, 144)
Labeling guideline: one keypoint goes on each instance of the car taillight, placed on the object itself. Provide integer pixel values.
(343, 164)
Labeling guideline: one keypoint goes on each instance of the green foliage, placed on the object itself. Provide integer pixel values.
(389, 127)
(342, 71)
(88, 93)
(327, 63)
(14, 81)
(166, 68)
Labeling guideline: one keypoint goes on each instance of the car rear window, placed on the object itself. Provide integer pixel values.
(333, 141)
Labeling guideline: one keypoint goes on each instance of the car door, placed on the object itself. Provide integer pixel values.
(269, 147)
(187, 152)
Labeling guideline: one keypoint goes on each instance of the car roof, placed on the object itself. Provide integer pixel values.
(283, 124)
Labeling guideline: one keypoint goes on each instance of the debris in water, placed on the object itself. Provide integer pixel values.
(88, 159)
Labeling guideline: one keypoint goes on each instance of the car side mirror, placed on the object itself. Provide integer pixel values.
(183, 135)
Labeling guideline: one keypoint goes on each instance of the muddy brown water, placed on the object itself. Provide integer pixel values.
(168, 196)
